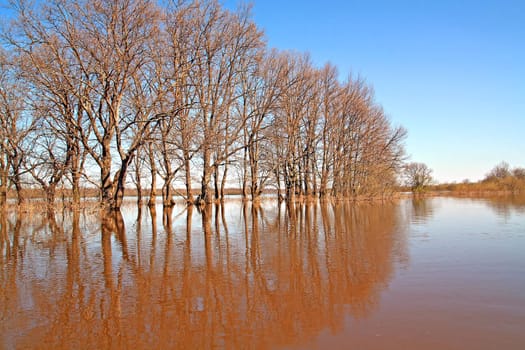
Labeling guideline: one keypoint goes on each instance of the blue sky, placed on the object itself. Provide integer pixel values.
(451, 72)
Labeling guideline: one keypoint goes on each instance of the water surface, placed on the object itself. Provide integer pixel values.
(438, 273)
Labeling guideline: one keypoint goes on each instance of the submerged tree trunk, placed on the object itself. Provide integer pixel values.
(167, 193)
(50, 195)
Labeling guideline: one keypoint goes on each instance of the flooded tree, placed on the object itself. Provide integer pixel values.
(5, 118)
(192, 86)
(261, 89)
(224, 45)
(137, 169)
(289, 123)
(95, 51)
(417, 176)
(16, 126)
(330, 91)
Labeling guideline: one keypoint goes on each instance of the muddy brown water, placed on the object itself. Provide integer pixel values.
(438, 273)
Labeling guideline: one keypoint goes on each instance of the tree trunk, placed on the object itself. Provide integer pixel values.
(255, 190)
(216, 182)
(290, 190)
(19, 190)
(223, 181)
(205, 195)
(75, 183)
(278, 181)
(118, 196)
(304, 169)
(3, 187)
(187, 169)
(3, 195)
(50, 195)
(75, 167)
(153, 189)
(324, 184)
(167, 195)
(106, 181)
(254, 172)
(139, 190)
(244, 173)
(313, 175)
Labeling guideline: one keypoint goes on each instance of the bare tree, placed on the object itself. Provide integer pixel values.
(137, 170)
(290, 123)
(417, 176)
(15, 127)
(368, 151)
(330, 91)
(5, 120)
(500, 171)
(261, 87)
(153, 174)
(223, 45)
(47, 163)
(102, 48)
(519, 173)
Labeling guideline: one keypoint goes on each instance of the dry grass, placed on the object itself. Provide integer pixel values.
(509, 184)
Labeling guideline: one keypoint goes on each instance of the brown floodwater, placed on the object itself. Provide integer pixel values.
(438, 273)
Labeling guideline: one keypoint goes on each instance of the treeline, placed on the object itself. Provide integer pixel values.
(108, 93)
(501, 178)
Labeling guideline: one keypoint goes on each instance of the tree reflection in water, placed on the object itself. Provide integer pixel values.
(506, 206)
(230, 276)
(422, 209)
